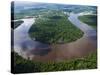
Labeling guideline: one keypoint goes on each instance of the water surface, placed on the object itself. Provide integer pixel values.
(23, 44)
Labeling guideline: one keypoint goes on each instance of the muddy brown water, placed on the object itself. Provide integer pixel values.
(80, 48)
(34, 50)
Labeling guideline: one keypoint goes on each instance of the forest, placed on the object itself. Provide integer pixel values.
(22, 65)
(54, 27)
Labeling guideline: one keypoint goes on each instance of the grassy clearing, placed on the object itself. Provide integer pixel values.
(54, 27)
(16, 24)
(90, 20)
(27, 66)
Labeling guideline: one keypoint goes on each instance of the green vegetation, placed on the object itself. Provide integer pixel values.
(28, 66)
(30, 12)
(54, 27)
(15, 24)
(90, 20)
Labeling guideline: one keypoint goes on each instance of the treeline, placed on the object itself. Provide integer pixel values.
(26, 66)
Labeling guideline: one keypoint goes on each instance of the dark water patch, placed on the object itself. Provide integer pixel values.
(40, 51)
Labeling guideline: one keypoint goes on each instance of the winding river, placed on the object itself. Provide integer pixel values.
(23, 44)
(88, 30)
(34, 50)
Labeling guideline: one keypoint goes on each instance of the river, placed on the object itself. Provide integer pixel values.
(23, 44)
(35, 50)
(88, 30)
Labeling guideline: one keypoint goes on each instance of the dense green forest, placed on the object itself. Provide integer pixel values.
(27, 66)
(54, 27)
(90, 20)
(15, 24)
